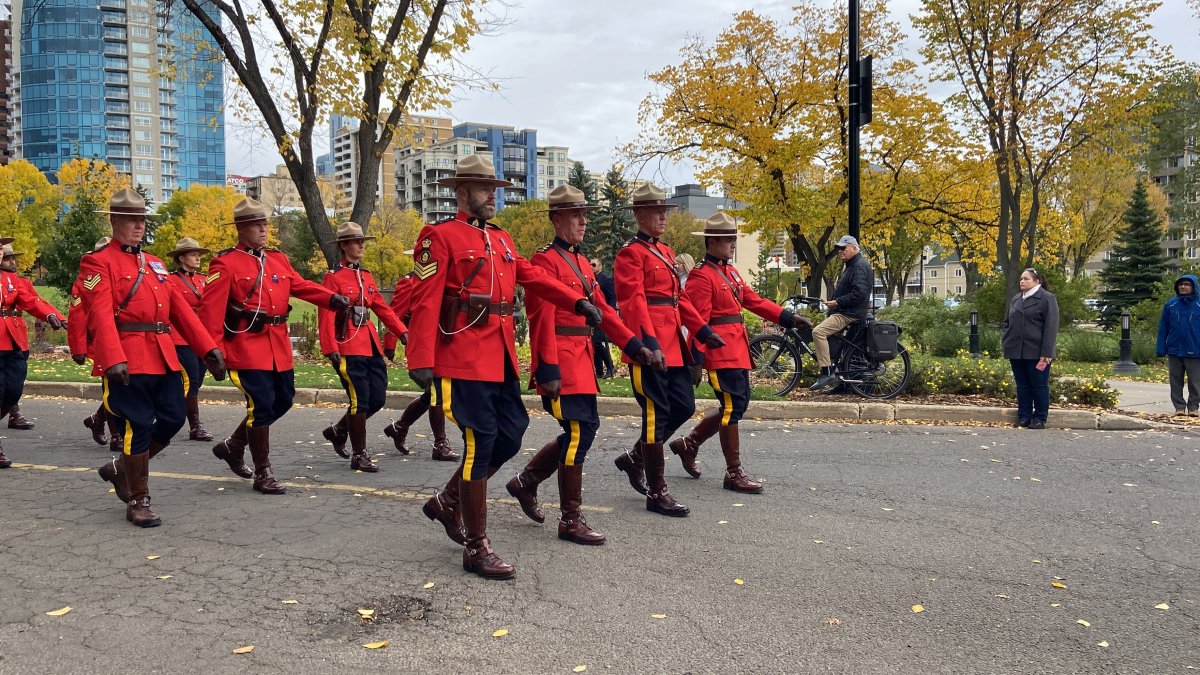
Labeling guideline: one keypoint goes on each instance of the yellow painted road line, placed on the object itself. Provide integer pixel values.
(359, 489)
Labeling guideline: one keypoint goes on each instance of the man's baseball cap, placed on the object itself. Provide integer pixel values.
(847, 240)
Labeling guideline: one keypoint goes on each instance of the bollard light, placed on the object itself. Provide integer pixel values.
(973, 340)
(1125, 323)
(1125, 362)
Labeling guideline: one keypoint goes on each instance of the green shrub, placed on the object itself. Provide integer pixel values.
(1144, 345)
(918, 316)
(965, 376)
(947, 339)
(989, 341)
(754, 324)
(1084, 391)
(1087, 346)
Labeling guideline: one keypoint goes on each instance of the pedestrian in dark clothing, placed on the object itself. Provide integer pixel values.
(602, 355)
(850, 302)
(1179, 341)
(1030, 331)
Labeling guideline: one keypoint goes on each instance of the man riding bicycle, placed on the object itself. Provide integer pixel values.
(849, 303)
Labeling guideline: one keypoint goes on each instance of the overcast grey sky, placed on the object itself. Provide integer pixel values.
(576, 71)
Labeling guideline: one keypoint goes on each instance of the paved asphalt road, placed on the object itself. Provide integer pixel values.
(858, 524)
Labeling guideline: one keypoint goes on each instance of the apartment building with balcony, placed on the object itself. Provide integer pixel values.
(418, 131)
(88, 82)
(5, 83)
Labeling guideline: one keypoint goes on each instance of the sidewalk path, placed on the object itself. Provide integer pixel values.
(1146, 397)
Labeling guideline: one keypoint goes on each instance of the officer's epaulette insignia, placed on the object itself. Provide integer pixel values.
(335, 268)
(443, 220)
(75, 300)
(631, 242)
(223, 252)
(213, 276)
(546, 248)
(425, 270)
(91, 282)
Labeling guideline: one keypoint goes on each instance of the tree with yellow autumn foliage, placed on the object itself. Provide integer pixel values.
(204, 213)
(28, 208)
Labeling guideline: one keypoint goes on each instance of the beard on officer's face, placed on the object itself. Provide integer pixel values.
(480, 200)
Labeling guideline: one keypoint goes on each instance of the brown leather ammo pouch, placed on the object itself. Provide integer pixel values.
(477, 308)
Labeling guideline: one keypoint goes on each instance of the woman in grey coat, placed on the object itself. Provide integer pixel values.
(1030, 331)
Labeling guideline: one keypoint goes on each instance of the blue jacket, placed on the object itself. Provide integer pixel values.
(1179, 326)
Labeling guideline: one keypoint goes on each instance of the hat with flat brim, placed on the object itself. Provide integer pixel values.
(649, 197)
(567, 198)
(719, 224)
(187, 245)
(249, 211)
(8, 251)
(126, 202)
(6, 240)
(476, 168)
(350, 231)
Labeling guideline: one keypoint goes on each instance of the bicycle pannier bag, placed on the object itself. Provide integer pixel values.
(883, 340)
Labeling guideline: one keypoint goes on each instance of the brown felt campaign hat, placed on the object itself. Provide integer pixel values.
(719, 224)
(350, 231)
(6, 240)
(649, 196)
(567, 198)
(476, 168)
(126, 202)
(8, 251)
(187, 245)
(248, 211)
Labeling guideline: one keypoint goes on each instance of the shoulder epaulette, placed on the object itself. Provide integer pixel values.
(223, 251)
(443, 220)
(493, 225)
(632, 241)
(335, 268)
(545, 248)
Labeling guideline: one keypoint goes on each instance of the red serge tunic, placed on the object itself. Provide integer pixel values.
(191, 287)
(359, 285)
(718, 293)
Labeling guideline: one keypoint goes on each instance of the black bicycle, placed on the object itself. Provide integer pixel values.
(778, 361)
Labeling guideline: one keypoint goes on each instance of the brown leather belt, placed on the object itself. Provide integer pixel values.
(132, 327)
(500, 308)
(277, 320)
(10, 312)
(725, 320)
(664, 300)
(574, 330)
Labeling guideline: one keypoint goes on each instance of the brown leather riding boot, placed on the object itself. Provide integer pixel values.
(111, 471)
(95, 423)
(16, 420)
(232, 451)
(441, 445)
(631, 463)
(478, 557)
(687, 447)
(360, 460)
(136, 470)
(524, 486)
(197, 432)
(443, 507)
(116, 441)
(260, 451)
(735, 478)
(571, 525)
(658, 498)
(398, 430)
(338, 433)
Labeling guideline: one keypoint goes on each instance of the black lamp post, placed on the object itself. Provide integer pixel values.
(974, 338)
(1125, 363)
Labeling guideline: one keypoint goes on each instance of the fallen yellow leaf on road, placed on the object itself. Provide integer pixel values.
(164, 577)
(428, 585)
(1058, 584)
(1083, 623)
(1162, 606)
(376, 645)
(153, 557)
(722, 522)
(818, 541)
(1055, 604)
(739, 504)
(1102, 644)
(834, 621)
(366, 613)
(578, 669)
(500, 633)
(917, 609)
(1002, 596)
(658, 616)
(1037, 562)
(244, 650)
(739, 582)
(59, 612)
(291, 602)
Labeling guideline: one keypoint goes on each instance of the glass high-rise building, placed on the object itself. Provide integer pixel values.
(131, 82)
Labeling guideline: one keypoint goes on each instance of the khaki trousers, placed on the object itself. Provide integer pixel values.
(821, 332)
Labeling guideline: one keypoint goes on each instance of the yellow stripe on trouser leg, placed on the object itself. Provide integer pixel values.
(727, 400)
(104, 400)
(573, 444)
(349, 386)
(637, 387)
(468, 433)
(187, 382)
(468, 453)
(237, 382)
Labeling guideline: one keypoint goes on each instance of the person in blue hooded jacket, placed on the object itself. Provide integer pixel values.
(1179, 341)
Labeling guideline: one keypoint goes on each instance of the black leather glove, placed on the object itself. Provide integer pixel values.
(335, 358)
(55, 322)
(422, 376)
(697, 375)
(215, 361)
(551, 388)
(800, 321)
(404, 339)
(389, 354)
(589, 312)
(120, 372)
(713, 341)
(338, 302)
(79, 358)
(658, 361)
(644, 356)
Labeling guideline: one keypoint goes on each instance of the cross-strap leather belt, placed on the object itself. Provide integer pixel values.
(663, 300)
(159, 327)
(11, 312)
(500, 308)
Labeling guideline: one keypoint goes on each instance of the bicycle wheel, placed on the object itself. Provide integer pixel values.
(874, 379)
(776, 363)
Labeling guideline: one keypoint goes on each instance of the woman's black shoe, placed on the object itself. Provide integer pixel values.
(1022, 423)
(1037, 424)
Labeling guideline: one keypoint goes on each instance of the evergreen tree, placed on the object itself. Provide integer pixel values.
(580, 179)
(610, 226)
(75, 234)
(1137, 263)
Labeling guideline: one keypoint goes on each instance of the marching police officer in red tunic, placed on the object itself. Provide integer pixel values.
(648, 293)
(190, 282)
(351, 344)
(718, 293)
(245, 308)
(398, 430)
(462, 344)
(78, 343)
(563, 369)
(132, 309)
(17, 298)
